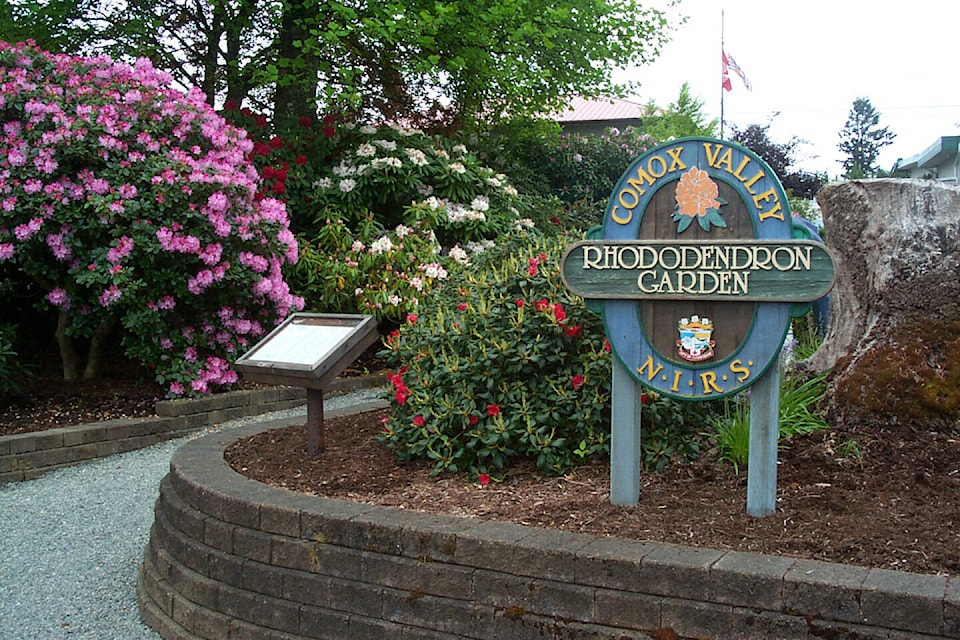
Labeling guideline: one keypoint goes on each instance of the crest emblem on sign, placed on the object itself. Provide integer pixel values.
(696, 339)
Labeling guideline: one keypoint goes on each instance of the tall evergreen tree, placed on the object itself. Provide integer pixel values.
(685, 117)
(861, 139)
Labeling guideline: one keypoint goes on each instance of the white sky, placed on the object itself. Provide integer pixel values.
(809, 60)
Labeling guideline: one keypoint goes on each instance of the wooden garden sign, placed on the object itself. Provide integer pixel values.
(697, 273)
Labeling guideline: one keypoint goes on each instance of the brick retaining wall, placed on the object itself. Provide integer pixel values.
(25, 456)
(232, 558)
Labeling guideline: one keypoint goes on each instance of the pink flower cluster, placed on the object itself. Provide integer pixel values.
(132, 198)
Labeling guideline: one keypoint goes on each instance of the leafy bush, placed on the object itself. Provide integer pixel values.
(572, 167)
(328, 170)
(381, 273)
(672, 430)
(132, 203)
(501, 363)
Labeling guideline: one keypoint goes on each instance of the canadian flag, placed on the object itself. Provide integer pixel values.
(729, 64)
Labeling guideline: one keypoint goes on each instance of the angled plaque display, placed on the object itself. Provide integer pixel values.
(309, 350)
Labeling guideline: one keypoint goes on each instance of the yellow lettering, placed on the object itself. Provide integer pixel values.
(677, 164)
(709, 379)
(772, 213)
(619, 219)
(633, 195)
(743, 165)
(642, 176)
(726, 159)
(662, 167)
(749, 183)
(676, 380)
(763, 197)
(648, 365)
(712, 157)
(737, 368)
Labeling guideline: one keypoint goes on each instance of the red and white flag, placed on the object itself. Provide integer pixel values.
(729, 64)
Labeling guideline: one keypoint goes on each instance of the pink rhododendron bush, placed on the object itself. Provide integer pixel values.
(135, 207)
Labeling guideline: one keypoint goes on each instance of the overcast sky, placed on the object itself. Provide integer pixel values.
(808, 61)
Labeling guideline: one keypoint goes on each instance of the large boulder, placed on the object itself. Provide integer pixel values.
(893, 340)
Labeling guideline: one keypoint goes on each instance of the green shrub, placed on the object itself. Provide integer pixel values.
(573, 167)
(368, 270)
(672, 430)
(500, 363)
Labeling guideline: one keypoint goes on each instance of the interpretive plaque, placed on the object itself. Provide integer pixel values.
(309, 350)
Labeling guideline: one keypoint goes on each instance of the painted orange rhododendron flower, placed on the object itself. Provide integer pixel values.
(698, 198)
(697, 193)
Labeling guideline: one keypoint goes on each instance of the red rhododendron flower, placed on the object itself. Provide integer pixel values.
(573, 331)
(493, 410)
(305, 121)
(541, 304)
(329, 119)
(276, 142)
(260, 149)
(262, 121)
(606, 345)
(483, 479)
(328, 131)
(463, 306)
(644, 398)
(301, 159)
(533, 269)
(401, 396)
(281, 174)
(418, 420)
(519, 303)
(230, 105)
(278, 187)
(542, 257)
(473, 420)
(411, 318)
(576, 381)
(559, 313)
(268, 173)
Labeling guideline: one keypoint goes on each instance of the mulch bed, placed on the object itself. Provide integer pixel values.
(897, 507)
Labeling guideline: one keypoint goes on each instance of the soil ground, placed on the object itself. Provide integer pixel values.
(896, 505)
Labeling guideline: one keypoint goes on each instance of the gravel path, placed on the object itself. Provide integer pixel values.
(71, 541)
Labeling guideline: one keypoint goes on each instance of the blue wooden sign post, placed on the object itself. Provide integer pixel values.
(697, 271)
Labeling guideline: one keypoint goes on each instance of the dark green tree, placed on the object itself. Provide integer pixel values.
(781, 156)
(414, 61)
(861, 139)
(61, 26)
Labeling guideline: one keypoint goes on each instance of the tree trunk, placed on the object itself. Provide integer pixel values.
(98, 342)
(68, 355)
(297, 85)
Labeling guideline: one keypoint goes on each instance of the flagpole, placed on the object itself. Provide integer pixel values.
(721, 75)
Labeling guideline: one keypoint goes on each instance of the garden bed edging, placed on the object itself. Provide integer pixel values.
(231, 557)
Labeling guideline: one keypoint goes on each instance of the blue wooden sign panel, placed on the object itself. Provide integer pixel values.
(697, 190)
